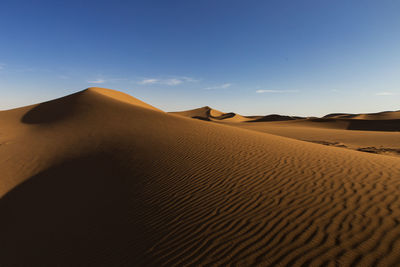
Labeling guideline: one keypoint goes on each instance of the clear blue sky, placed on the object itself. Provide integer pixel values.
(299, 57)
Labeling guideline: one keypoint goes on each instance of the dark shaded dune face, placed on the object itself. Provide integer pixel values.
(226, 116)
(273, 117)
(201, 118)
(53, 111)
(374, 125)
(361, 124)
(82, 210)
(339, 115)
(384, 115)
(322, 120)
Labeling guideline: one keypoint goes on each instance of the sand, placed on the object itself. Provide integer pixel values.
(99, 178)
(377, 133)
(379, 142)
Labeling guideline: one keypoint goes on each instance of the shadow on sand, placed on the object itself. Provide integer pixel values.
(79, 213)
(53, 111)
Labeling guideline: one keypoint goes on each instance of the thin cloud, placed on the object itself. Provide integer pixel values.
(98, 81)
(385, 93)
(169, 81)
(2, 66)
(101, 80)
(222, 86)
(276, 91)
(172, 81)
(148, 81)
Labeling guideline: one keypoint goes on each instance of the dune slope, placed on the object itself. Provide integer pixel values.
(94, 179)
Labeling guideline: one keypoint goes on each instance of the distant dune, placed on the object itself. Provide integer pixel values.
(377, 133)
(382, 121)
(275, 117)
(208, 114)
(385, 115)
(99, 178)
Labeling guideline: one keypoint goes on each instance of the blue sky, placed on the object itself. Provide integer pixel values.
(299, 57)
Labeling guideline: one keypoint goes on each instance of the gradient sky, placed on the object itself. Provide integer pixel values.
(299, 57)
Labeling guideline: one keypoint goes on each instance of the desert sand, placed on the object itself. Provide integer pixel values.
(374, 133)
(99, 178)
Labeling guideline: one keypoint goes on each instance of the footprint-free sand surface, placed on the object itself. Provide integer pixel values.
(99, 178)
(374, 133)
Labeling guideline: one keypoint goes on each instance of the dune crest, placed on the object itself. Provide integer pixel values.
(120, 96)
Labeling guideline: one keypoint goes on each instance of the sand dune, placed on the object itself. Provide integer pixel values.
(275, 117)
(382, 121)
(209, 114)
(99, 178)
(379, 142)
(361, 123)
(385, 115)
(373, 133)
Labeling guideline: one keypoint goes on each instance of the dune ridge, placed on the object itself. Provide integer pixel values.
(120, 96)
(109, 181)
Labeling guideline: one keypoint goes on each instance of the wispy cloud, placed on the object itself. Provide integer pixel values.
(2, 66)
(148, 81)
(222, 86)
(172, 81)
(276, 91)
(98, 81)
(385, 93)
(169, 81)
